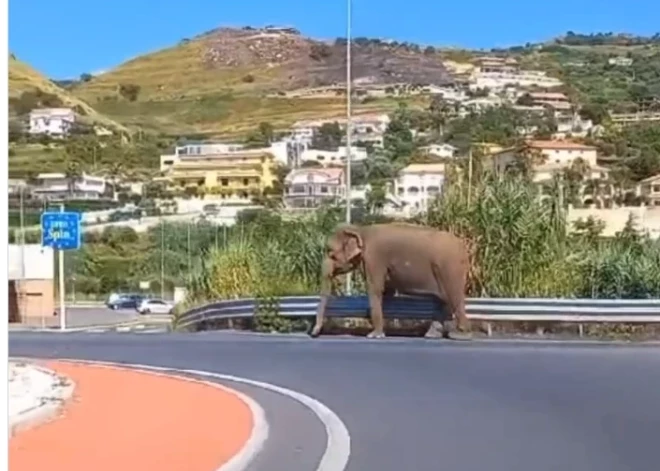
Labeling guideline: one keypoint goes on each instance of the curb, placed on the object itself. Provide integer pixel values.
(48, 408)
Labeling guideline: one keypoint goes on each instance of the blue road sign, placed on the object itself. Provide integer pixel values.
(61, 230)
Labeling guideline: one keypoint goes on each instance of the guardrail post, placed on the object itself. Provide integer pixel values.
(230, 324)
(581, 330)
(489, 329)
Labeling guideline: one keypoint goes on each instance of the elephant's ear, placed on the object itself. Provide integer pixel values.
(352, 243)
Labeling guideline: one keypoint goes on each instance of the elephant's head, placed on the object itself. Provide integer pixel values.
(343, 254)
(343, 251)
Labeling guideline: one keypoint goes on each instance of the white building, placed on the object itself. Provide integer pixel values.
(555, 155)
(620, 61)
(361, 125)
(51, 121)
(281, 150)
(56, 186)
(444, 150)
(572, 125)
(418, 184)
(336, 157)
(497, 73)
(558, 101)
(310, 187)
(446, 93)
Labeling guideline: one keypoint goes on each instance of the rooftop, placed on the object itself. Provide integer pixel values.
(558, 145)
(424, 168)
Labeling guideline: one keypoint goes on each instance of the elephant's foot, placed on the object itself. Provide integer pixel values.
(459, 335)
(375, 334)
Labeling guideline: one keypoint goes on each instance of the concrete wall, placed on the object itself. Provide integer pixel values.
(32, 302)
(31, 284)
(30, 262)
(647, 219)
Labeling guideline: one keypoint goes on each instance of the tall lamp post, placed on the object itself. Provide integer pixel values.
(349, 130)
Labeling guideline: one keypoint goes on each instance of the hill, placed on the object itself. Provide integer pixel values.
(617, 71)
(228, 80)
(23, 78)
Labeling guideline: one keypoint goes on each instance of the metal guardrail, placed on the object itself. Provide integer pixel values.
(425, 308)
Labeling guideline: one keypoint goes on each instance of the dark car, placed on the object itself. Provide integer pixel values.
(124, 301)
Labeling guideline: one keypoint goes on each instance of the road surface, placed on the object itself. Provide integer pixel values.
(415, 404)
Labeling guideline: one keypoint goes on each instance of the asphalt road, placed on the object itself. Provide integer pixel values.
(414, 404)
(78, 317)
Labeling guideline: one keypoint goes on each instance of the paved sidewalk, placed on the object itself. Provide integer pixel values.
(126, 419)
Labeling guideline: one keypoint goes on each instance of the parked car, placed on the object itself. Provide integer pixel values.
(154, 306)
(124, 300)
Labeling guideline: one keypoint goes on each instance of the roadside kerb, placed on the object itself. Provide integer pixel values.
(48, 406)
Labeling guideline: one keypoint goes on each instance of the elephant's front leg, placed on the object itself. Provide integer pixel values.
(376, 308)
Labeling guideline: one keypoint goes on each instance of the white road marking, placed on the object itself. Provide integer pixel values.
(338, 445)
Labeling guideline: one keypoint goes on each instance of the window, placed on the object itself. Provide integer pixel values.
(656, 188)
(224, 182)
(246, 181)
(324, 189)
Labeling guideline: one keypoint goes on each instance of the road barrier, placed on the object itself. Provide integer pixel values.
(580, 311)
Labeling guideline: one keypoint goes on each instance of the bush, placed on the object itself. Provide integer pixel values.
(129, 91)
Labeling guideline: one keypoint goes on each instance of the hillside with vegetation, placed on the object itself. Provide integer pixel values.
(229, 80)
(583, 63)
(235, 83)
(29, 89)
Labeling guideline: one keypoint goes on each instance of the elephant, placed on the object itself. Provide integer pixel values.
(398, 258)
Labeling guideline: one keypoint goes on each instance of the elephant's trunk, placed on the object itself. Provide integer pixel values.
(326, 289)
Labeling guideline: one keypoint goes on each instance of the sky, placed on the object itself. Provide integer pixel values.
(66, 38)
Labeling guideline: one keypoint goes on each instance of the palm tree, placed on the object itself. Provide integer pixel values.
(574, 177)
(73, 174)
(114, 172)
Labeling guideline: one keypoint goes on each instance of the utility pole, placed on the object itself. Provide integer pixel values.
(469, 195)
(162, 259)
(22, 233)
(349, 129)
(60, 255)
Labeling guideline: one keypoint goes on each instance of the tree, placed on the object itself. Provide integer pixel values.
(525, 100)
(327, 137)
(261, 137)
(129, 91)
(398, 138)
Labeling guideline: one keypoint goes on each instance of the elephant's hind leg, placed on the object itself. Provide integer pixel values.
(453, 289)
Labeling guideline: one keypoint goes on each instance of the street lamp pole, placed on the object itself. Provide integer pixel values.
(349, 131)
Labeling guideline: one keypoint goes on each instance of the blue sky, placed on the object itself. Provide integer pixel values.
(68, 37)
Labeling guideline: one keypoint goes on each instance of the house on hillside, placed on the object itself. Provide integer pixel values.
(311, 187)
(650, 189)
(333, 157)
(56, 186)
(418, 184)
(552, 158)
(444, 150)
(56, 122)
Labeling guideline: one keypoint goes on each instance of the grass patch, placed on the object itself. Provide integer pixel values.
(227, 114)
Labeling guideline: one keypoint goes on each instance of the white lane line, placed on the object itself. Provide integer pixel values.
(260, 429)
(338, 445)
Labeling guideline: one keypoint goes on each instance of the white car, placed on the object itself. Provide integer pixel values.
(155, 306)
